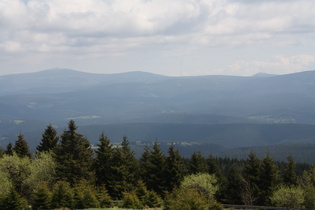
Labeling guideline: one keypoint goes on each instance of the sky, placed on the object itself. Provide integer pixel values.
(168, 37)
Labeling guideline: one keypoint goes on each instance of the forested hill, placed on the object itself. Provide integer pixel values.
(228, 111)
(56, 96)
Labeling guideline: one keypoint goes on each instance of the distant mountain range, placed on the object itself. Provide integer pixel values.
(229, 111)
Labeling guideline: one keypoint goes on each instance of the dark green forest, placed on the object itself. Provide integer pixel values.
(66, 171)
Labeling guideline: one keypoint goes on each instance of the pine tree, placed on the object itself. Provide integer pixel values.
(73, 156)
(21, 147)
(130, 163)
(234, 185)
(103, 162)
(41, 197)
(197, 163)
(9, 150)
(153, 166)
(290, 177)
(175, 170)
(251, 181)
(62, 195)
(49, 140)
(268, 180)
(13, 201)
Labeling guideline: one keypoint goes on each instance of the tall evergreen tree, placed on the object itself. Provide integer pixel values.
(197, 163)
(268, 179)
(290, 177)
(21, 147)
(103, 160)
(73, 156)
(175, 169)
(234, 185)
(153, 166)
(251, 180)
(9, 150)
(49, 140)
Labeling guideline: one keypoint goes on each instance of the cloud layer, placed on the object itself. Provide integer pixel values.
(80, 29)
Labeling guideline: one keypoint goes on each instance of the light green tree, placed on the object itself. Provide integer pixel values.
(205, 184)
(288, 197)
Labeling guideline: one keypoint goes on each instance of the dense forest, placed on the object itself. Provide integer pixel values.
(66, 171)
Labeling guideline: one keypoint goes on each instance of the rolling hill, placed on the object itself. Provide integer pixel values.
(227, 111)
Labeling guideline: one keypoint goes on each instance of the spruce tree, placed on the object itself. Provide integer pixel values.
(103, 162)
(73, 156)
(290, 177)
(197, 163)
(234, 185)
(9, 150)
(268, 179)
(41, 197)
(153, 166)
(251, 180)
(49, 140)
(21, 147)
(175, 169)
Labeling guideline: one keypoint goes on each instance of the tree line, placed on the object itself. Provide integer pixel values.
(67, 172)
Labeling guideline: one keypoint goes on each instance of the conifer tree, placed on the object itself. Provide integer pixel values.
(250, 188)
(234, 185)
(197, 163)
(73, 156)
(49, 140)
(290, 177)
(62, 195)
(13, 201)
(9, 150)
(21, 147)
(130, 163)
(41, 197)
(153, 166)
(103, 162)
(175, 170)
(268, 180)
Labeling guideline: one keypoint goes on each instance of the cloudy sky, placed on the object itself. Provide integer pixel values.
(169, 37)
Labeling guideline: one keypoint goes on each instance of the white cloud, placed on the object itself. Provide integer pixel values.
(277, 65)
(102, 28)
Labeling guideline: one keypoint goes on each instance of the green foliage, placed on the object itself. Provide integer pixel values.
(250, 187)
(9, 150)
(17, 170)
(153, 169)
(188, 199)
(21, 147)
(131, 200)
(269, 179)
(49, 140)
(203, 183)
(234, 184)
(147, 197)
(6, 184)
(175, 169)
(103, 163)
(290, 177)
(73, 156)
(103, 197)
(85, 196)
(41, 197)
(308, 185)
(63, 196)
(12, 200)
(42, 169)
(197, 164)
(288, 197)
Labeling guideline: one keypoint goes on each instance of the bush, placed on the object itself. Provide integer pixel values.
(13, 201)
(131, 200)
(185, 199)
(41, 197)
(62, 195)
(288, 197)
